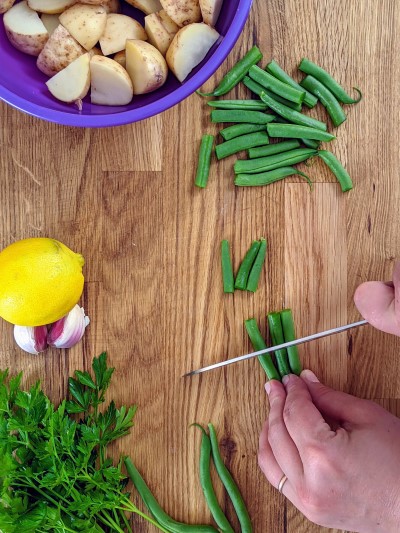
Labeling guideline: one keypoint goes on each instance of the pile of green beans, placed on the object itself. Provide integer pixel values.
(248, 275)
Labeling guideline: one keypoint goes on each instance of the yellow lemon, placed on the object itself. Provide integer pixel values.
(40, 281)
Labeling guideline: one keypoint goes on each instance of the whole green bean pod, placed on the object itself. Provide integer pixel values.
(327, 99)
(258, 343)
(265, 178)
(244, 142)
(227, 270)
(255, 272)
(244, 270)
(156, 510)
(256, 88)
(254, 105)
(270, 162)
(294, 131)
(273, 68)
(289, 334)
(236, 130)
(240, 115)
(330, 83)
(276, 86)
(272, 149)
(281, 356)
(337, 168)
(203, 165)
(237, 73)
(230, 484)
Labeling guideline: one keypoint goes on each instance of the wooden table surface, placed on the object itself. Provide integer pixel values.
(124, 198)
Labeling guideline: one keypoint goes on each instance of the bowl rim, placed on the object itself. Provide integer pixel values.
(135, 115)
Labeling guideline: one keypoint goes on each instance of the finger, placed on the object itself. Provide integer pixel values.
(281, 443)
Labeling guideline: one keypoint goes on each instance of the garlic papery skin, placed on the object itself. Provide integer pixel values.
(31, 340)
(69, 330)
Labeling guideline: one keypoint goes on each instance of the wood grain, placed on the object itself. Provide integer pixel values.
(125, 199)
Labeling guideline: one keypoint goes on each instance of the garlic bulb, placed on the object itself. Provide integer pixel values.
(31, 339)
(69, 330)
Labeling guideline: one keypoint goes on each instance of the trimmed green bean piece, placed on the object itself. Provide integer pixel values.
(271, 149)
(330, 83)
(227, 270)
(238, 115)
(289, 334)
(241, 129)
(327, 99)
(265, 178)
(310, 143)
(156, 510)
(244, 142)
(237, 73)
(276, 86)
(255, 272)
(276, 332)
(230, 485)
(294, 131)
(337, 168)
(256, 88)
(207, 486)
(258, 343)
(273, 68)
(254, 105)
(291, 115)
(244, 270)
(203, 165)
(251, 166)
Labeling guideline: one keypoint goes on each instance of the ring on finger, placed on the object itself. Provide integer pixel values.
(282, 483)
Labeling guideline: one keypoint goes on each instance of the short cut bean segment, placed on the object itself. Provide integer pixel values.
(276, 332)
(244, 270)
(310, 143)
(271, 149)
(255, 105)
(275, 70)
(265, 178)
(240, 115)
(327, 99)
(241, 129)
(337, 168)
(203, 165)
(330, 83)
(256, 88)
(255, 272)
(227, 270)
(258, 343)
(294, 131)
(251, 166)
(276, 86)
(291, 115)
(289, 334)
(237, 73)
(244, 142)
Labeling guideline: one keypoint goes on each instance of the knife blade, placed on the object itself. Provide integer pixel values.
(309, 338)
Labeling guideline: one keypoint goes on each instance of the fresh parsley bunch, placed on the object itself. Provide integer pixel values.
(54, 471)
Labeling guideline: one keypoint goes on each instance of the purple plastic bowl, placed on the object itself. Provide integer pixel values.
(22, 85)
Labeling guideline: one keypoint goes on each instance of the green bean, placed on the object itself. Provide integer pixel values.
(265, 178)
(273, 68)
(207, 486)
(289, 334)
(276, 86)
(330, 83)
(255, 105)
(291, 157)
(327, 99)
(337, 168)
(227, 270)
(275, 330)
(291, 115)
(233, 77)
(239, 115)
(310, 143)
(271, 149)
(156, 510)
(230, 484)
(244, 142)
(203, 165)
(258, 343)
(240, 129)
(255, 272)
(256, 88)
(294, 131)
(244, 270)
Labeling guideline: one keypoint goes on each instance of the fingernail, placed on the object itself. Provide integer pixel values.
(309, 376)
(285, 380)
(268, 387)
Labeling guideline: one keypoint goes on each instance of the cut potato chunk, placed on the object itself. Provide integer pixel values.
(160, 30)
(182, 12)
(59, 51)
(110, 83)
(112, 6)
(189, 47)
(118, 29)
(147, 6)
(50, 6)
(51, 22)
(5, 5)
(120, 57)
(85, 23)
(73, 82)
(146, 66)
(95, 52)
(24, 29)
(210, 10)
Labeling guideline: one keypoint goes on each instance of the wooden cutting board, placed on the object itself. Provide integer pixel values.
(125, 199)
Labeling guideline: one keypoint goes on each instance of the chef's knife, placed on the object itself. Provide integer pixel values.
(278, 347)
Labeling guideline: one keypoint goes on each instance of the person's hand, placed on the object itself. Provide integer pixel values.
(341, 455)
(379, 303)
